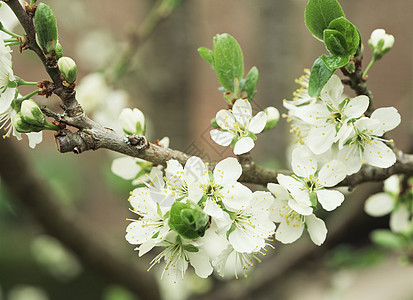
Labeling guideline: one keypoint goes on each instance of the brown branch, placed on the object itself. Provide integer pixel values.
(67, 94)
(93, 252)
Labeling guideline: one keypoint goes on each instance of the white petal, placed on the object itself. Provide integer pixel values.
(313, 113)
(399, 219)
(258, 123)
(392, 184)
(388, 118)
(356, 107)
(236, 196)
(317, 229)
(379, 155)
(243, 242)
(174, 173)
(332, 91)
(302, 207)
(222, 138)
(227, 171)
(379, 205)
(278, 191)
(332, 173)
(146, 247)
(194, 170)
(350, 156)
(34, 138)
(288, 232)
(289, 183)
(243, 145)
(330, 200)
(242, 112)
(321, 137)
(200, 261)
(125, 167)
(302, 162)
(225, 119)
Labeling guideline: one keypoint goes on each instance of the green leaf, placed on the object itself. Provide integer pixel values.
(349, 32)
(319, 13)
(188, 220)
(335, 62)
(387, 239)
(46, 28)
(319, 76)
(251, 83)
(228, 60)
(207, 55)
(335, 42)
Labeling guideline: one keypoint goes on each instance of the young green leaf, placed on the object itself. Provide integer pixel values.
(319, 76)
(251, 83)
(207, 55)
(335, 42)
(46, 28)
(336, 61)
(349, 32)
(319, 14)
(228, 60)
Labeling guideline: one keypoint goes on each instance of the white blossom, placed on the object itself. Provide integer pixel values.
(292, 223)
(392, 202)
(331, 116)
(365, 145)
(238, 126)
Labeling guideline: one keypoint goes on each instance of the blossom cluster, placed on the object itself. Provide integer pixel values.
(334, 125)
(191, 209)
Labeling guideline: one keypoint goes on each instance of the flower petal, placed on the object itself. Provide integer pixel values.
(243, 145)
(227, 171)
(317, 229)
(236, 196)
(332, 91)
(200, 261)
(379, 155)
(330, 200)
(302, 162)
(278, 191)
(321, 137)
(356, 106)
(289, 232)
(222, 138)
(379, 205)
(258, 122)
(242, 112)
(399, 219)
(125, 167)
(332, 173)
(225, 119)
(388, 118)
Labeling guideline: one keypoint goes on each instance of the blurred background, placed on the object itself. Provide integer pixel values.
(177, 91)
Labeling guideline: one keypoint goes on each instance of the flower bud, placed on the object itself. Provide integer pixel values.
(20, 125)
(68, 68)
(273, 115)
(30, 112)
(132, 121)
(380, 42)
(59, 50)
(46, 29)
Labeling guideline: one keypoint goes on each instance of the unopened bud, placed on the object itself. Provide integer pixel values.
(20, 125)
(132, 121)
(273, 115)
(68, 68)
(59, 51)
(31, 113)
(380, 42)
(46, 29)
